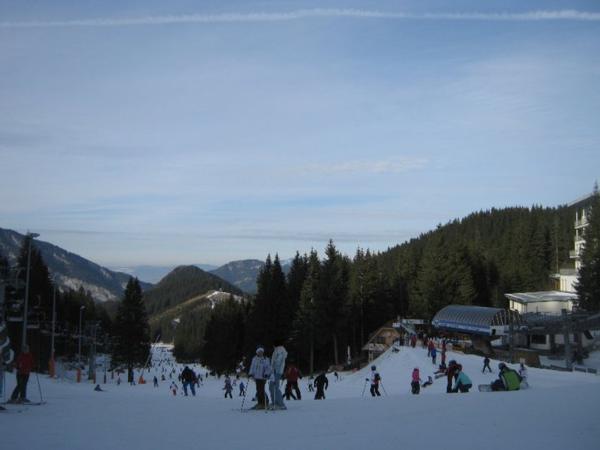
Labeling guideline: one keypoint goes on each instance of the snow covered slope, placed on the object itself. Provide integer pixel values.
(559, 412)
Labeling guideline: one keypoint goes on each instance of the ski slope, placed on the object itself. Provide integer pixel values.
(560, 411)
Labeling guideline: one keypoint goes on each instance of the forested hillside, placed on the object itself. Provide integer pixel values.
(326, 304)
(182, 284)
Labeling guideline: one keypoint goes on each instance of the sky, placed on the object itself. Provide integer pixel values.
(163, 133)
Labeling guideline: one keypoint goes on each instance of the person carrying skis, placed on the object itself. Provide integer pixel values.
(291, 376)
(508, 379)
(486, 365)
(415, 384)
(375, 379)
(24, 364)
(321, 383)
(260, 370)
(463, 382)
(187, 378)
(228, 388)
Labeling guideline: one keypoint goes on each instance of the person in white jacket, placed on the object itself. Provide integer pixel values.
(260, 369)
(277, 369)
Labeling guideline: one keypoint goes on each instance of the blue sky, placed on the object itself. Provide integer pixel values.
(152, 132)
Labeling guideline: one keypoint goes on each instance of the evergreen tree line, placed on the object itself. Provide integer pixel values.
(326, 305)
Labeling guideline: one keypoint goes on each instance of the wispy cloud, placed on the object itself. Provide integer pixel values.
(391, 166)
(308, 14)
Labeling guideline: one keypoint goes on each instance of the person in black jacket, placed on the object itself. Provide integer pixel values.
(188, 378)
(321, 383)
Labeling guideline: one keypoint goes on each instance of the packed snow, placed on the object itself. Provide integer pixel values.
(559, 411)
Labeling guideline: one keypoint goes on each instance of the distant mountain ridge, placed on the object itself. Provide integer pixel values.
(72, 271)
(153, 274)
(182, 284)
(241, 273)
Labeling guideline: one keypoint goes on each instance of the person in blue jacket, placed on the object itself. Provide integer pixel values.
(463, 382)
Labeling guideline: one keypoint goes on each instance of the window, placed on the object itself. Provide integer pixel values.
(538, 338)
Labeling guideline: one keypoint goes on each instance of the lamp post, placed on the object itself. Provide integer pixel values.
(51, 365)
(79, 352)
(31, 237)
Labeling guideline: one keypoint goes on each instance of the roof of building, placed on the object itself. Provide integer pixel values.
(582, 202)
(471, 319)
(543, 296)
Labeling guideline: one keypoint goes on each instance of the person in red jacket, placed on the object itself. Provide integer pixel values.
(24, 365)
(291, 376)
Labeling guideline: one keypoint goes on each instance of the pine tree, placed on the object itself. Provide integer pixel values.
(131, 338)
(588, 284)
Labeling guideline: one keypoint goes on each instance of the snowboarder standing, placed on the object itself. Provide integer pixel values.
(321, 383)
(375, 378)
(227, 388)
(486, 365)
(277, 368)
(260, 369)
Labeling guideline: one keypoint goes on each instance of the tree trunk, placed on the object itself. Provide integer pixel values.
(312, 356)
(335, 350)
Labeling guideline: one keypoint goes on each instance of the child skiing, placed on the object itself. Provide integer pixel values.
(375, 379)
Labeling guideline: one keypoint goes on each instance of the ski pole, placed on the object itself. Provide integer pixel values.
(39, 387)
(364, 387)
(383, 387)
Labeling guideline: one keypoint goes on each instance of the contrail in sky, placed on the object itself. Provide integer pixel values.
(530, 16)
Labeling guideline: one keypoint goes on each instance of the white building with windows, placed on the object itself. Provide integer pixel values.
(567, 277)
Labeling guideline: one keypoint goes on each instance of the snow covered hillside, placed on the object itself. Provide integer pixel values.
(560, 411)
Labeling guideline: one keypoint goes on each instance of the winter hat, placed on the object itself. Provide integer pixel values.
(373, 367)
(260, 350)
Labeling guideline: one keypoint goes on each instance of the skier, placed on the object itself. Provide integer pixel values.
(375, 379)
(486, 365)
(242, 389)
(311, 387)
(227, 388)
(187, 378)
(260, 370)
(291, 376)
(415, 384)
(508, 379)
(430, 347)
(155, 381)
(321, 383)
(463, 382)
(24, 364)
(173, 388)
(433, 355)
(277, 368)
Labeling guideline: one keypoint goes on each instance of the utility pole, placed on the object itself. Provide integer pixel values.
(31, 237)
